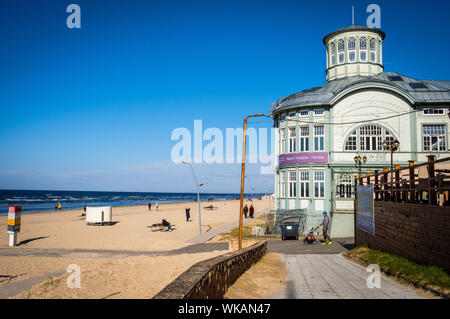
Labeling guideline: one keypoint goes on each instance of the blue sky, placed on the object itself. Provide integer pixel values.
(94, 108)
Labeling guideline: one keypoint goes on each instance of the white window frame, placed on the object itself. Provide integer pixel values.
(304, 113)
(351, 50)
(359, 136)
(332, 54)
(292, 140)
(344, 183)
(283, 140)
(322, 112)
(319, 181)
(341, 53)
(373, 50)
(433, 111)
(292, 184)
(304, 139)
(362, 49)
(303, 184)
(354, 137)
(283, 184)
(369, 138)
(319, 139)
(441, 138)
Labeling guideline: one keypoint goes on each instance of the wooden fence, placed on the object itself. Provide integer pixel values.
(426, 183)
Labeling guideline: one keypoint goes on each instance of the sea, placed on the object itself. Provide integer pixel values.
(45, 200)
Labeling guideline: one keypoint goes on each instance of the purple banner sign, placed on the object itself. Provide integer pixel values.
(303, 158)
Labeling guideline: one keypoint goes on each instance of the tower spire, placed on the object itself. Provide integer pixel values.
(353, 15)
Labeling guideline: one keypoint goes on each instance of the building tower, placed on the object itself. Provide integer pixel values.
(354, 50)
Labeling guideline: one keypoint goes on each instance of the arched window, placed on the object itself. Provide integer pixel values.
(332, 54)
(379, 52)
(341, 51)
(368, 138)
(373, 50)
(363, 49)
(350, 145)
(352, 50)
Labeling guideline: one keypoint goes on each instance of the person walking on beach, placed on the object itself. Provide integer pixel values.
(59, 206)
(84, 208)
(149, 206)
(56, 206)
(252, 211)
(324, 223)
(156, 205)
(188, 214)
(245, 210)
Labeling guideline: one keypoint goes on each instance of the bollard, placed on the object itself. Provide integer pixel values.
(13, 224)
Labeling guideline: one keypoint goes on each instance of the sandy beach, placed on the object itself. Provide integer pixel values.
(119, 276)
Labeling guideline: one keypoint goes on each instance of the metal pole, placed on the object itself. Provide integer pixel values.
(392, 163)
(392, 176)
(198, 200)
(242, 179)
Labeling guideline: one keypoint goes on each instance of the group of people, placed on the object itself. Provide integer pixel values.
(150, 206)
(246, 211)
(250, 212)
(58, 206)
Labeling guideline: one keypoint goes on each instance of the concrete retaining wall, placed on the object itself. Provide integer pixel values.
(342, 225)
(211, 278)
(420, 233)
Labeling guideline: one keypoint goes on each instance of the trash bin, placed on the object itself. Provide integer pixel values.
(289, 230)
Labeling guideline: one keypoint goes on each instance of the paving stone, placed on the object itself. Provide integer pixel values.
(331, 276)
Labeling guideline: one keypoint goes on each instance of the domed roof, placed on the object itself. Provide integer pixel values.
(432, 92)
(354, 27)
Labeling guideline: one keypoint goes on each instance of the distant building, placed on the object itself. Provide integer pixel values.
(319, 131)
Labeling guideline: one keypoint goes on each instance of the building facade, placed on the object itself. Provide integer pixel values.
(320, 131)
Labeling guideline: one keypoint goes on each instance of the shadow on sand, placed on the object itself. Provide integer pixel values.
(26, 241)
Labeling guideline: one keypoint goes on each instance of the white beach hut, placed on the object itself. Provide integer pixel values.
(99, 215)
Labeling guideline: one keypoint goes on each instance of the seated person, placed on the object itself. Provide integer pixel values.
(166, 223)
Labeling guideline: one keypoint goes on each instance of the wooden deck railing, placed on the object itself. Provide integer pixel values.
(426, 183)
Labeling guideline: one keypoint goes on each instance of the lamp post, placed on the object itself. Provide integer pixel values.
(197, 185)
(391, 146)
(358, 161)
(244, 147)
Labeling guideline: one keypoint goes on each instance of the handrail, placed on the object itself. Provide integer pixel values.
(400, 186)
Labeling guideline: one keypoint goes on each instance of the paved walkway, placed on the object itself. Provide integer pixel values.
(331, 276)
(99, 253)
(15, 287)
(294, 247)
(204, 237)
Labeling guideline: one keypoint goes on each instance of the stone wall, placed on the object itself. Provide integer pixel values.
(211, 278)
(420, 233)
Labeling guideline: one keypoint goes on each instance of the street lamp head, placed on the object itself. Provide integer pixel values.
(356, 159)
(395, 144)
(364, 159)
(385, 144)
